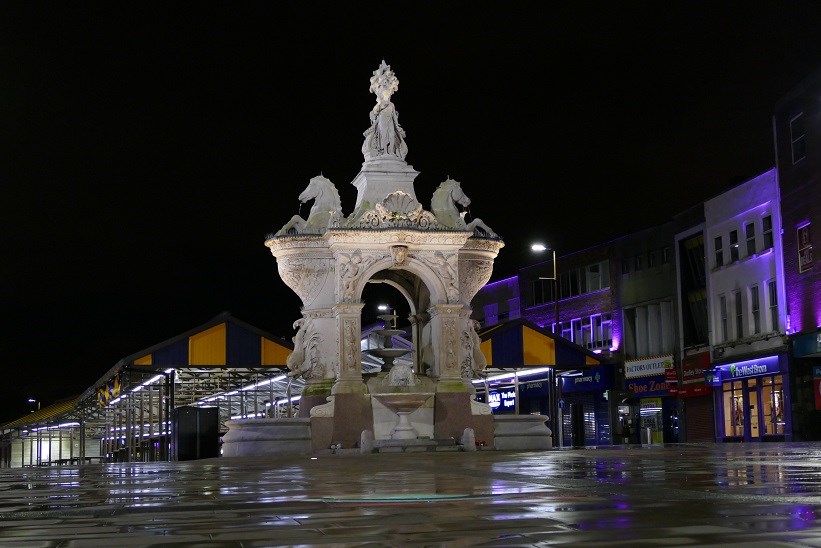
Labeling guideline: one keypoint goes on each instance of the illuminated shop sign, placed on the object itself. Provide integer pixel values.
(649, 386)
(593, 379)
(502, 399)
(647, 368)
(768, 365)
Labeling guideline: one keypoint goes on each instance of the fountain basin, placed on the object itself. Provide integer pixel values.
(388, 352)
(403, 404)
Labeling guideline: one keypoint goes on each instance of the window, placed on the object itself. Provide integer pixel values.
(733, 246)
(651, 259)
(665, 255)
(722, 300)
(604, 331)
(797, 138)
(565, 329)
(542, 291)
(756, 310)
(719, 252)
(749, 232)
(625, 266)
(767, 230)
(587, 333)
(739, 316)
(804, 248)
(576, 328)
(773, 294)
(596, 276)
(637, 263)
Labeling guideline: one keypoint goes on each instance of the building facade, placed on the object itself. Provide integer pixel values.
(797, 131)
(745, 292)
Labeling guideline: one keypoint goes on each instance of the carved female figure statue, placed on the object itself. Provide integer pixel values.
(385, 136)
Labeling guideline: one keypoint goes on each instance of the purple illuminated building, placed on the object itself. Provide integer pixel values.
(797, 130)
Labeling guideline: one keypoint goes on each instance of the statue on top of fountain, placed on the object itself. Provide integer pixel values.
(385, 137)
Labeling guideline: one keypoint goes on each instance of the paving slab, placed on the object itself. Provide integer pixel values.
(661, 495)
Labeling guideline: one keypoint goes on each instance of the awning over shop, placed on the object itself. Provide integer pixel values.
(45, 415)
(520, 343)
(223, 342)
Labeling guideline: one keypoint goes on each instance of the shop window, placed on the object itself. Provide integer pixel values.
(733, 246)
(772, 291)
(733, 409)
(719, 251)
(772, 405)
(749, 233)
(767, 231)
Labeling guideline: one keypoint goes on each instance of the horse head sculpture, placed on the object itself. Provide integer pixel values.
(326, 210)
(445, 197)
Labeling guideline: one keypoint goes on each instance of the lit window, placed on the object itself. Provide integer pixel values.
(722, 300)
(773, 294)
(733, 246)
(739, 316)
(719, 250)
(804, 248)
(749, 232)
(767, 230)
(754, 305)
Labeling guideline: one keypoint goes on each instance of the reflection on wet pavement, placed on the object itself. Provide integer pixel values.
(686, 494)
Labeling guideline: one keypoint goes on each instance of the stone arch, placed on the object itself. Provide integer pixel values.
(429, 278)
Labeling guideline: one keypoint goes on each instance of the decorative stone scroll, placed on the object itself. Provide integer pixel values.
(398, 210)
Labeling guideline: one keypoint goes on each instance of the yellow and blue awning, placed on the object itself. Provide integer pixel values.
(223, 342)
(520, 343)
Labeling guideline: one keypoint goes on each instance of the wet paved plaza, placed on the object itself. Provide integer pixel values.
(676, 495)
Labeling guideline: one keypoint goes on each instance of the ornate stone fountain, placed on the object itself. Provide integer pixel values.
(435, 259)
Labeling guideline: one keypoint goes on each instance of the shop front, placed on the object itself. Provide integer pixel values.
(584, 408)
(751, 399)
(696, 399)
(805, 379)
(656, 411)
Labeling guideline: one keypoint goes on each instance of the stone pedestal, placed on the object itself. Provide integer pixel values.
(451, 415)
(522, 433)
(261, 437)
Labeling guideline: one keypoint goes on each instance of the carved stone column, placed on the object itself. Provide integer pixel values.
(416, 337)
(446, 323)
(349, 330)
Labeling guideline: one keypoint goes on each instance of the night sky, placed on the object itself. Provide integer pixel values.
(148, 149)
